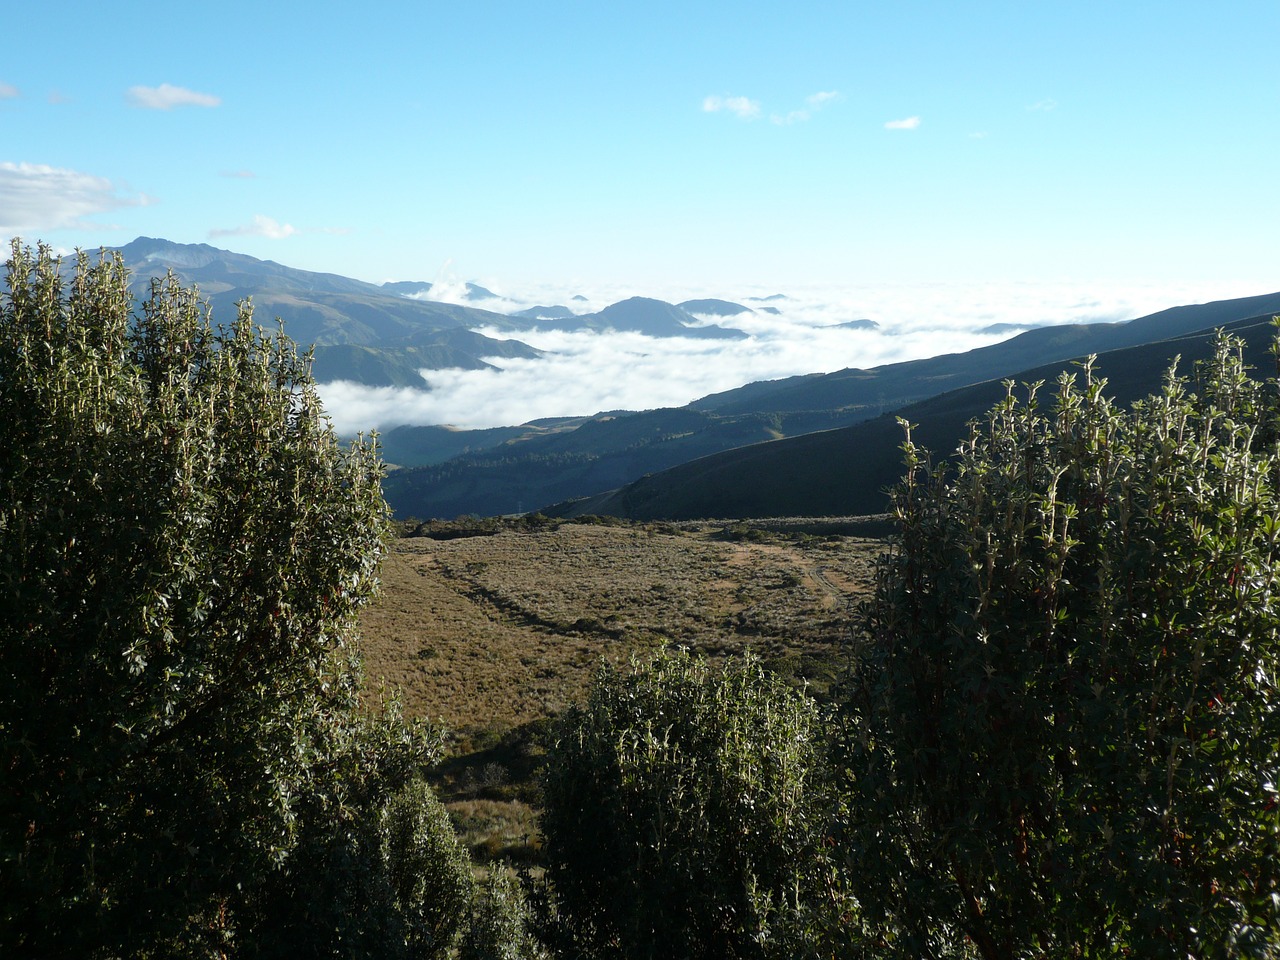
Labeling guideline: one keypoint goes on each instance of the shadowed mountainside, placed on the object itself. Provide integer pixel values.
(363, 332)
(607, 452)
(848, 471)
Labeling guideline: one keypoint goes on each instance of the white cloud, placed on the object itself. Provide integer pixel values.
(8, 91)
(238, 174)
(742, 107)
(815, 103)
(271, 229)
(260, 227)
(166, 97)
(1043, 106)
(747, 109)
(587, 372)
(907, 123)
(36, 197)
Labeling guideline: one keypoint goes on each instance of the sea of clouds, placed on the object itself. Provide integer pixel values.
(583, 373)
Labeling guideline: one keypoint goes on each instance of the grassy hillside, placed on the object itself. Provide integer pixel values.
(491, 625)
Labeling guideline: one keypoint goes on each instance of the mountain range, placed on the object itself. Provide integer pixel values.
(382, 335)
(775, 448)
(813, 444)
(848, 471)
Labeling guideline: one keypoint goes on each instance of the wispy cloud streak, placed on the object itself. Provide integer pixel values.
(261, 226)
(742, 107)
(166, 97)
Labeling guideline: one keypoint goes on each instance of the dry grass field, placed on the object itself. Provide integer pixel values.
(492, 631)
(493, 627)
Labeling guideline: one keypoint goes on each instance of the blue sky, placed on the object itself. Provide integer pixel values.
(683, 146)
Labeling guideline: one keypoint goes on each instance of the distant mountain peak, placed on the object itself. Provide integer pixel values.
(714, 308)
(641, 303)
(408, 288)
(477, 292)
(192, 255)
(656, 318)
(556, 312)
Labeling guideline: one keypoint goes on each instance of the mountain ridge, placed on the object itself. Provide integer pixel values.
(378, 336)
(502, 478)
(848, 471)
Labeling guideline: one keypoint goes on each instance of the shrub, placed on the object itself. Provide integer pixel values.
(377, 871)
(1064, 731)
(184, 547)
(685, 814)
(500, 927)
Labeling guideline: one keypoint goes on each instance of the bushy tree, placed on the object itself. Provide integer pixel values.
(1064, 729)
(685, 814)
(376, 871)
(184, 546)
(500, 927)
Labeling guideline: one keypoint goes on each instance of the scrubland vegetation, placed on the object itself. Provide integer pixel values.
(1043, 723)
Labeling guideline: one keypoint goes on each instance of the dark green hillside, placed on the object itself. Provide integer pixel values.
(608, 437)
(600, 454)
(847, 471)
(422, 446)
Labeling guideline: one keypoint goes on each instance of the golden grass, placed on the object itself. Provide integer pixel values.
(491, 632)
(497, 829)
